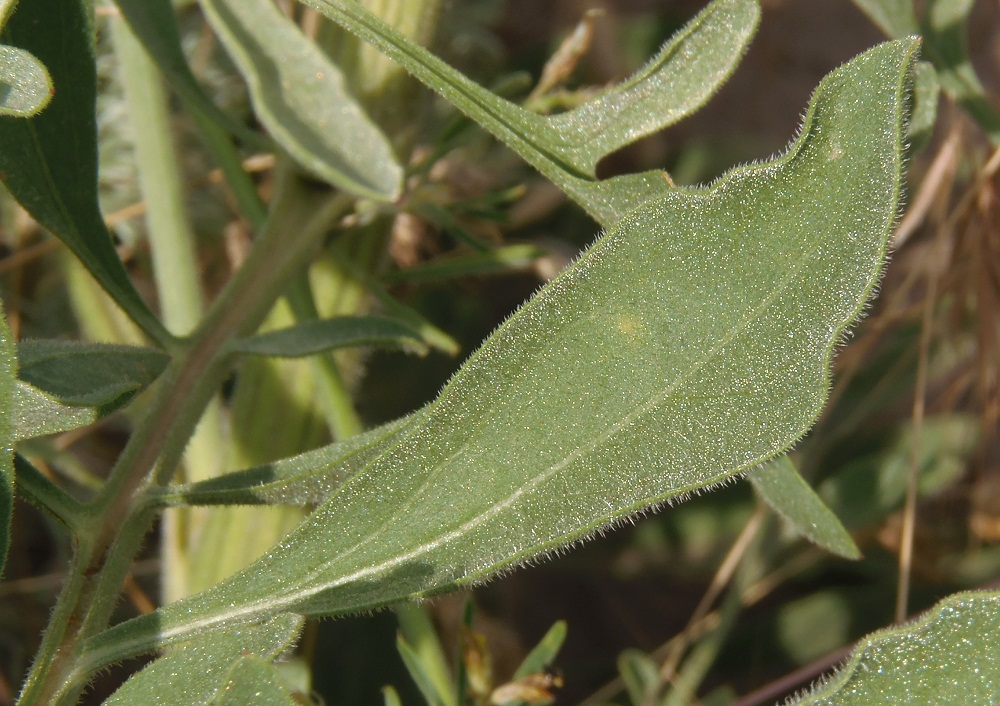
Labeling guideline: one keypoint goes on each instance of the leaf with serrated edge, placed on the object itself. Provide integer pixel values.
(300, 96)
(8, 375)
(779, 484)
(566, 147)
(196, 670)
(49, 162)
(949, 656)
(689, 344)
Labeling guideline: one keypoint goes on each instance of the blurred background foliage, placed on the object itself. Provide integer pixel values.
(917, 386)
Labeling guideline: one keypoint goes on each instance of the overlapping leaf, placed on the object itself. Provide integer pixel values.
(566, 147)
(950, 656)
(689, 344)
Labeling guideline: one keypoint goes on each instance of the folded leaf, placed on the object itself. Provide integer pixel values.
(300, 96)
(566, 147)
(779, 484)
(689, 344)
(203, 670)
(8, 375)
(949, 656)
(49, 162)
(102, 376)
(318, 335)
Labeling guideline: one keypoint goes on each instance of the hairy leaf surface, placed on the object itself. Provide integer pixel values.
(25, 86)
(689, 344)
(949, 656)
(8, 374)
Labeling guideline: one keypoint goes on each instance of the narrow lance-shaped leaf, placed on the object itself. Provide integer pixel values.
(49, 162)
(300, 96)
(689, 344)
(566, 147)
(779, 484)
(949, 656)
(8, 373)
(318, 335)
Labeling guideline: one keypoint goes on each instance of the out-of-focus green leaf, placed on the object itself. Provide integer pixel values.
(640, 674)
(894, 17)
(567, 147)
(926, 94)
(306, 479)
(779, 484)
(252, 681)
(949, 656)
(814, 625)
(25, 85)
(101, 376)
(544, 653)
(8, 378)
(496, 261)
(434, 693)
(318, 335)
(871, 488)
(691, 343)
(202, 670)
(155, 24)
(38, 414)
(300, 96)
(49, 162)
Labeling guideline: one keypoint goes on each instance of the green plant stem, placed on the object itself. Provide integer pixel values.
(119, 518)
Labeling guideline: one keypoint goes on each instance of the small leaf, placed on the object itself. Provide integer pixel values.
(425, 682)
(390, 697)
(300, 96)
(691, 343)
(101, 376)
(926, 92)
(499, 260)
(779, 484)
(949, 656)
(49, 162)
(640, 674)
(894, 17)
(200, 671)
(318, 335)
(252, 681)
(25, 85)
(8, 375)
(38, 414)
(155, 24)
(306, 479)
(566, 147)
(544, 653)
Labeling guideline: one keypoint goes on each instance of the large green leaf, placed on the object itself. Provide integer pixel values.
(689, 344)
(8, 374)
(49, 162)
(566, 147)
(949, 656)
(204, 670)
(301, 97)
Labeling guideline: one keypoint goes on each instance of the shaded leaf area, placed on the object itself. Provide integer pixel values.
(316, 336)
(49, 162)
(780, 486)
(25, 86)
(102, 376)
(207, 669)
(567, 147)
(949, 656)
(689, 344)
(306, 479)
(154, 22)
(8, 375)
(302, 99)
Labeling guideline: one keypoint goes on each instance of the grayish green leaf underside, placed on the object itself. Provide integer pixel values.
(689, 344)
(201, 670)
(252, 681)
(781, 487)
(949, 656)
(567, 147)
(38, 414)
(25, 86)
(300, 96)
